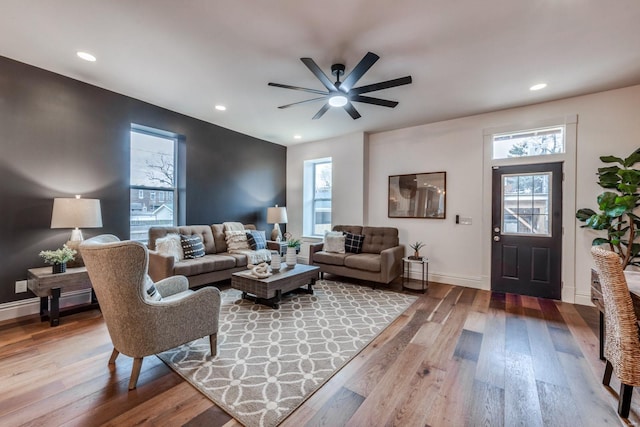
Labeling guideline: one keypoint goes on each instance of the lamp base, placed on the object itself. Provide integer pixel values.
(276, 235)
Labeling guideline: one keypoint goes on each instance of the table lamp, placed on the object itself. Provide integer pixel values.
(276, 216)
(76, 213)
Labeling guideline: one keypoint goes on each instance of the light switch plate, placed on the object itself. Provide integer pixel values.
(21, 286)
(465, 220)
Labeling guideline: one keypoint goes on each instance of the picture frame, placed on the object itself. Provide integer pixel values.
(418, 195)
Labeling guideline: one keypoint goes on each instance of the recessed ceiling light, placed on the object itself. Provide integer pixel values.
(86, 56)
(338, 101)
(297, 136)
(538, 86)
(221, 107)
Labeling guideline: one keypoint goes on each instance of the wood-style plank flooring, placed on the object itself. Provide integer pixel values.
(456, 357)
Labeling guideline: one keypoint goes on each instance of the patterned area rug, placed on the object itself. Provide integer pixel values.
(270, 361)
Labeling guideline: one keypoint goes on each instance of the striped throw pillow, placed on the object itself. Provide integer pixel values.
(192, 246)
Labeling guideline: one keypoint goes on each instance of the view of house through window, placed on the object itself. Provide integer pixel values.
(317, 197)
(537, 142)
(153, 182)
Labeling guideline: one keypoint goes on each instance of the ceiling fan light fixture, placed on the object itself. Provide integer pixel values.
(338, 101)
(538, 86)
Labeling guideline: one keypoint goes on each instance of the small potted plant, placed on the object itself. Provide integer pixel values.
(416, 250)
(59, 258)
(292, 252)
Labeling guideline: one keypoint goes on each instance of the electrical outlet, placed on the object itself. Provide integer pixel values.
(464, 220)
(21, 286)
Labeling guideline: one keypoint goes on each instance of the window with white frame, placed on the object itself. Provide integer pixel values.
(317, 197)
(527, 143)
(152, 173)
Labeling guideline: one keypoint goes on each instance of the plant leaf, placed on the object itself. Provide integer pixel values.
(585, 213)
(611, 159)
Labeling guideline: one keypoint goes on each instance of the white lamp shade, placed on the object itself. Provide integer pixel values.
(76, 213)
(277, 215)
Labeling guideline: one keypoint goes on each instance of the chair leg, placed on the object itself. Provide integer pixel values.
(608, 370)
(624, 404)
(213, 342)
(114, 355)
(135, 372)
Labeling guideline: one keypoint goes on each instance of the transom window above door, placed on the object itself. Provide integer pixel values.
(528, 143)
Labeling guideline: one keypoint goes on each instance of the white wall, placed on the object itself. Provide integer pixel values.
(608, 123)
(347, 153)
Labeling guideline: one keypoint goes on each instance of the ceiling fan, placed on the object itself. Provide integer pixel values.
(342, 93)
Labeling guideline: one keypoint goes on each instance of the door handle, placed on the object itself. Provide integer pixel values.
(496, 238)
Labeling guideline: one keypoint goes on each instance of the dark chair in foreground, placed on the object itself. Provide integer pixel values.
(622, 344)
(139, 326)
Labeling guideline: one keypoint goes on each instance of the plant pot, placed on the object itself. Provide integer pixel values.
(291, 257)
(59, 268)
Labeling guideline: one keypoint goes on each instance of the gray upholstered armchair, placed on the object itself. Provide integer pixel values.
(138, 326)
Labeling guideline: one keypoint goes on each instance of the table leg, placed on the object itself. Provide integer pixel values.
(55, 307)
(44, 308)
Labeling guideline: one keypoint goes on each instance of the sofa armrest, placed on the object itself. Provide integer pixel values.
(391, 263)
(172, 285)
(313, 248)
(160, 266)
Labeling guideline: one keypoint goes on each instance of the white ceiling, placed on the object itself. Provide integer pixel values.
(465, 57)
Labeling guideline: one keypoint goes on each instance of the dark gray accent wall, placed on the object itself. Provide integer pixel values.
(60, 137)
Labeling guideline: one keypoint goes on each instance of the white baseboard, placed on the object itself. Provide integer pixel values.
(583, 300)
(27, 307)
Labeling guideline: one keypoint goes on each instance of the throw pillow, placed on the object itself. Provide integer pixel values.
(236, 240)
(192, 246)
(233, 226)
(334, 243)
(170, 245)
(353, 242)
(150, 291)
(256, 239)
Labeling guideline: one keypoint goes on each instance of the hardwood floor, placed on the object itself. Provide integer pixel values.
(456, 357)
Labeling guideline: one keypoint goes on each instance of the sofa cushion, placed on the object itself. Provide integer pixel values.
(158, 232)
(205, 264)
(192, 246)
(364, 261)
(204, 231)
(353, 242)
(240, 258)
(334, 242)
(170, 245)
(256, 239)
(324, 257)
(236, 240)
(377, 239)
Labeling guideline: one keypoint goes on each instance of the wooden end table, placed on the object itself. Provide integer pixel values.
(269, 291)
(42, 282)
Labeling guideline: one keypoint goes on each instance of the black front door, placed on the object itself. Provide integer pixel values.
(526, 252)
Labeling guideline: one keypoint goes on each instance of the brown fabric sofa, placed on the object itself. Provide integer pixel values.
(216, 265)
(380, 260)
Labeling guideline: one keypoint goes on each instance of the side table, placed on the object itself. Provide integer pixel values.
(406, 273)
(281, 247)
(42, 282)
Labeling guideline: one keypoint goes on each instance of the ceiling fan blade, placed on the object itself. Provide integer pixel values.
(304, 89)
(323, 110)
(311, 65)
(382, 85)
(363, 66)
(349, 108)
(374, 101)
(302, 102)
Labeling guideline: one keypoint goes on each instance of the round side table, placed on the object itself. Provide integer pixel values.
(406, 273)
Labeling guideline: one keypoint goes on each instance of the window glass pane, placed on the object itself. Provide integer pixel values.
(526, 204)
(152, 160)
(322, 217)
(146, 213)
(539, 142)
(322, 188)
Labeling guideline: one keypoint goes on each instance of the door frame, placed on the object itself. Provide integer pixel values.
(568, 200)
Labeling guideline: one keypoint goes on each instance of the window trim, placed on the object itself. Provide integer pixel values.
(309, 196)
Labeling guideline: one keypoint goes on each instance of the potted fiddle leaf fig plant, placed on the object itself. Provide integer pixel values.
(616, 214)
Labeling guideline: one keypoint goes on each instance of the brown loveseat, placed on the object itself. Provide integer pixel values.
(380, 260)
(216, 265)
